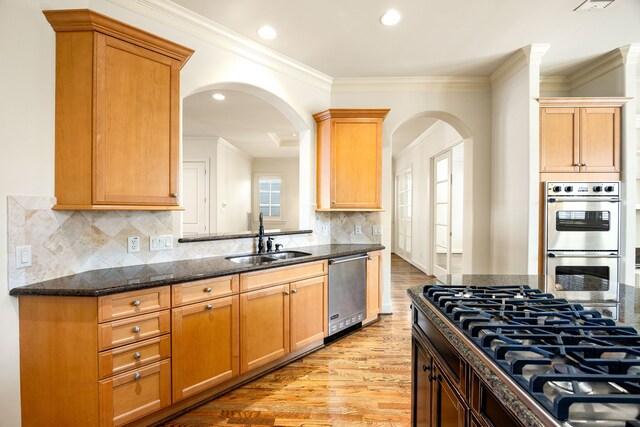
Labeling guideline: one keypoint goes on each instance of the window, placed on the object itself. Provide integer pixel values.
(269, 196)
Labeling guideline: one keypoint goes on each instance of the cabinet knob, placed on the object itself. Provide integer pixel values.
(137, 376)
(209, 306)
(174, 194)
(136, 303)
(333, 202)
(426, 368)
(207, 290)
(432, 377)
(136, 329)
(295, 291)
(137, 356)
(584, 165)
(286, 292)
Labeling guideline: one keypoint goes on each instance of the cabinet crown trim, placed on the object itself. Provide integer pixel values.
(583, 102)
(352, 113)
(70, 20)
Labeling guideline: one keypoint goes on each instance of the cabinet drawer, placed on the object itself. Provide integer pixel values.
(202, 290)
(118, 306)
(134, 329)
(135, 394)
(136, 355)
(262, 279)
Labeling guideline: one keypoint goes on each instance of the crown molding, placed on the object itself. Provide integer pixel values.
(554, 84)
(630, 53)
(531, 54)
(597, 68)
(412, 84)
(182, 19)
(229, 146)
(424, 136)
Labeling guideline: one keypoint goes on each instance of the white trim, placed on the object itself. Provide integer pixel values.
(554, 84)
(420, 139)
(183, 19)
(595, 69)
(531, 54)
(231, 147)
(411, 84)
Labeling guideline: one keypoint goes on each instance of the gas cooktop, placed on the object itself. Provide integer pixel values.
(579, 365)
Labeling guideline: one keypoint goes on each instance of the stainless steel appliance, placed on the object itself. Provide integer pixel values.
(582, 240)
(347, 292)
(579, 366)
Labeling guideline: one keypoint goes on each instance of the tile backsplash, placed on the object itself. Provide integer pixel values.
(69, 242)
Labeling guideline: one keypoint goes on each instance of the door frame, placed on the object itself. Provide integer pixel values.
(435, 269)
(207, 190)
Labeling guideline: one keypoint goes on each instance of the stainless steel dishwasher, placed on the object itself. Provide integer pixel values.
(347, 292)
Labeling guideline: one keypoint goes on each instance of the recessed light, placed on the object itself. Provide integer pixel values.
(218, 96)
(267, 32)
(294, 134)
(390, 17)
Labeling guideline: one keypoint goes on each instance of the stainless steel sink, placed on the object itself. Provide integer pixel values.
(287, 254)
(267, 257)
(250, 259)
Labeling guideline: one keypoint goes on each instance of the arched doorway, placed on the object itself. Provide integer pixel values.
(432, 224)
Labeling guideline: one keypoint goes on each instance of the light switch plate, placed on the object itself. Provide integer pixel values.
(376, 230)
(161, 243)
(23, 256)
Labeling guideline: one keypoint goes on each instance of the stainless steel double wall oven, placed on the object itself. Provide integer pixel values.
(582, 241)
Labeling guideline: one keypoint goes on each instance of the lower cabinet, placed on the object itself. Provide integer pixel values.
(264, 326)
(308, 316)
(205, 345)
(374, 294)
(434, 399)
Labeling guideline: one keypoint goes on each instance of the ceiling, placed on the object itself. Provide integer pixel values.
(245, 121)
(435, 38)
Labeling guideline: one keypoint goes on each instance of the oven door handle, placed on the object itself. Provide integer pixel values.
(582, 255)
(580, 199)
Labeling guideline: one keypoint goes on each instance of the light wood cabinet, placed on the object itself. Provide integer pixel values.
(308, 311)
(349, 159)
(264, 326)
(205, 345)
(117, 114)
(374, 293)
(580, 134)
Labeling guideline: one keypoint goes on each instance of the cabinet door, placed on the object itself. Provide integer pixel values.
(309, 308)
(205, 348)
(449, 408)
(356, 153)
(559, 140)
(421, 387)
(136, 118)
(600, 139)
(264, 326)
(373, 286)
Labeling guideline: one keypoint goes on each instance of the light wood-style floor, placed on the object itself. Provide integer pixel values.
(362, 379)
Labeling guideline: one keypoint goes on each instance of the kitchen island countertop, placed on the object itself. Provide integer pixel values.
(629, 315)
(124, 279)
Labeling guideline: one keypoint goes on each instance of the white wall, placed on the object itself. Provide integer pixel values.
(205, 149)
(288, 170)
(233, 194)
(418, 155)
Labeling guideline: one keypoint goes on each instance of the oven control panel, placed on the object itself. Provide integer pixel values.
(598, 188)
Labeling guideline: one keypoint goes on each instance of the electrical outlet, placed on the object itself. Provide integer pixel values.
(358, 229)
(325, 230)
(376, 230)
(133, 244)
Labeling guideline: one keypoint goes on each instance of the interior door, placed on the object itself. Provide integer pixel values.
(403, 212)
(195, 197)
(442, 213)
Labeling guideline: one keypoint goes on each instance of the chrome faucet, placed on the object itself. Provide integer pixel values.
(260, 235)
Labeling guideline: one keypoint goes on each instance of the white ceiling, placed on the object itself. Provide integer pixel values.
(245, 121)
(435, 38)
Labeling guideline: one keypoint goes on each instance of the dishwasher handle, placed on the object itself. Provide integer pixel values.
(342, 260)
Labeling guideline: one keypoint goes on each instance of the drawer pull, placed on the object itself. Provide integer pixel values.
(209, 306)
(136, 329)
(136, 303)
(207, 290)
(137, 356)
(137, 376)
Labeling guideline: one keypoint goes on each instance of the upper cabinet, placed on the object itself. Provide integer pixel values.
(117, 114)
(580, 134)
(349, 159)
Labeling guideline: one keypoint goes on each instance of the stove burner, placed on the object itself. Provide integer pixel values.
(578, 364)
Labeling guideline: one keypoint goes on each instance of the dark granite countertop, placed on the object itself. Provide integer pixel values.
(490, 372)
(115, 280)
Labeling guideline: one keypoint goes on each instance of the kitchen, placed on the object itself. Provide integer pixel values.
(489, 121)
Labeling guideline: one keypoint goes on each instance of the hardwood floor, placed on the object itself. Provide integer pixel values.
(362, 379)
